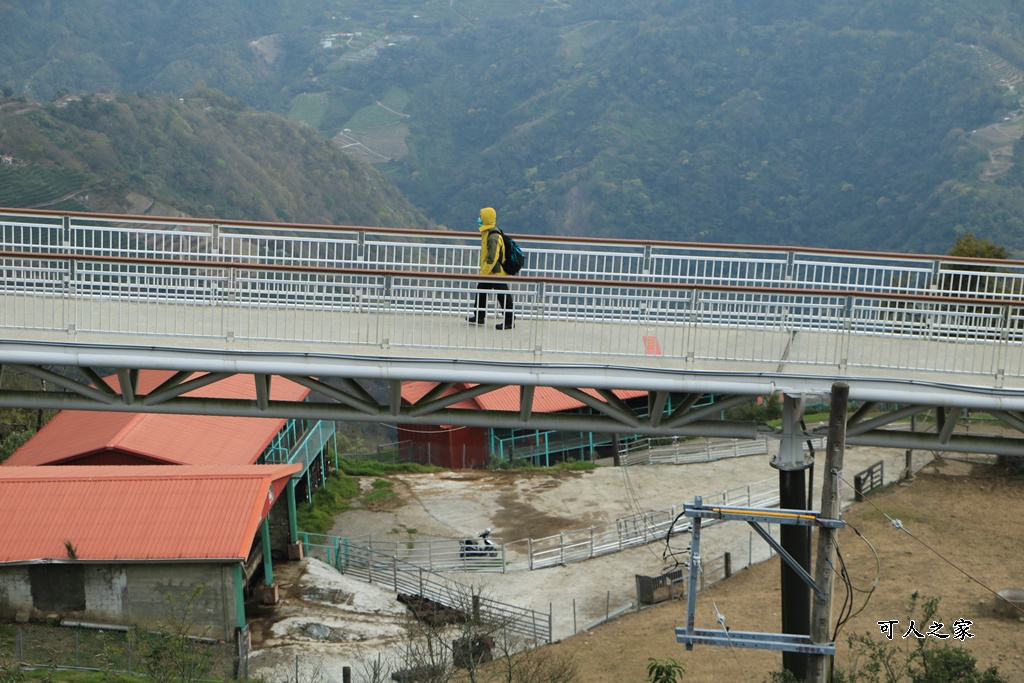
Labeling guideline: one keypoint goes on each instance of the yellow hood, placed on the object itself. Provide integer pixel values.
(488, 217)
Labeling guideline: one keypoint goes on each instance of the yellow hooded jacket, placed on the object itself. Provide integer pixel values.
(492, 247)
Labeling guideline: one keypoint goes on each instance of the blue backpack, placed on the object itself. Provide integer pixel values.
(514, 257)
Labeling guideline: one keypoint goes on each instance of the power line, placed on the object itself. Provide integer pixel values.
(898, 524)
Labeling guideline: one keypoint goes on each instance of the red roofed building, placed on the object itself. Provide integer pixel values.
(106, 544)
(100, 502)
(473, 447)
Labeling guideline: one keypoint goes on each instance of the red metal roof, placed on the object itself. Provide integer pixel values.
(162, 439)
(135, 512)
(545, 399)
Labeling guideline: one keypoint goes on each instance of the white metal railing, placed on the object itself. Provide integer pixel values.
(139, 277)
(363, 562)
(438, 553)
(331, 247)
(641, 529)
(653, 451)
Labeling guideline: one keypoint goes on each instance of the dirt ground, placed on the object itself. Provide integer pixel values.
(970, 519)
(962, 520)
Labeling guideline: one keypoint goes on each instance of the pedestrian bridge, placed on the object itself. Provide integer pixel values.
(352, 312)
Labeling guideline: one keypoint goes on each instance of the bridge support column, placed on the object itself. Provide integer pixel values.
(792, 464)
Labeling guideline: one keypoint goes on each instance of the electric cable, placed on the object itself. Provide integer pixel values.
(669, 552)
(635, 507)
(898, 524)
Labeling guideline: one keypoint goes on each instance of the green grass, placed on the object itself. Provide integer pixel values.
(376, 116)
(527, 466)
(372, 468)
(309, 108)
(328, 501)
(32, 185)
(381, 490)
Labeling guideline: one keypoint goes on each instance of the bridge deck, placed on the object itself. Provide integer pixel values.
(313, 303)
(444, 347)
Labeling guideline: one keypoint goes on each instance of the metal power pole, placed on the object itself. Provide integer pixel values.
(819, 666)
(792, 464)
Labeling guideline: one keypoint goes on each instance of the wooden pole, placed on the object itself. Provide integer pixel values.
(819, 668)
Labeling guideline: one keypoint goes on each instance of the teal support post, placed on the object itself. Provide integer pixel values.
(293, 522)
(268, 564)
(239, 596)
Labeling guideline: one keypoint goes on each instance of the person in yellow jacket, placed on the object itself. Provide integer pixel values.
(492, 255)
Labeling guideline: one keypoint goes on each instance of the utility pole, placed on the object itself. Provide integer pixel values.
(792, 464)
(819, 668)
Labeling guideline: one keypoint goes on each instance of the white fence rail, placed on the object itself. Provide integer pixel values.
(637, 530)
(361, 561)
(240, 303)
(652, 451)
(703, 265)
(139, 278)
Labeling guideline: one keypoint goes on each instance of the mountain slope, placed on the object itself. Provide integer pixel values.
(203, 155)
(811, 122)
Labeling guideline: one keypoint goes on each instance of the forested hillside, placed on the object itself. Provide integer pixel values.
(877, 124)
(203, 154)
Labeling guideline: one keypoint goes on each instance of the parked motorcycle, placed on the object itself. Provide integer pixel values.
(481, 546)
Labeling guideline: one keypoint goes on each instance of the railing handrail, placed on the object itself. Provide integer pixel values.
(568, 239)
(473, 277)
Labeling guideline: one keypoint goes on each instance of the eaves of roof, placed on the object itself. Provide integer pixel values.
(135, 513)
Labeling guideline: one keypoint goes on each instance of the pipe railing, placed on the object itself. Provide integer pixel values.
(705, 265)
(135, 298)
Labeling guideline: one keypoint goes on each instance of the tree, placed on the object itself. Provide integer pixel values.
(173, 653)
(461, 635)
(664, 671)
(913, 659)
(971, 278)
(977, 247)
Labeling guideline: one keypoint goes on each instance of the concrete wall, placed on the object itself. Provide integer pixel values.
(134, 594)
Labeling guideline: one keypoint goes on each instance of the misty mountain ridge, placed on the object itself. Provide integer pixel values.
(202, 155)
(877, 125)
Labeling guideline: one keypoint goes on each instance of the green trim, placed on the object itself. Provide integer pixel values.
(239, 596)
(268, 563)
(293, 522)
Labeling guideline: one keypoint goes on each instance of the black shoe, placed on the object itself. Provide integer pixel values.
(504, 326)
(475, 319)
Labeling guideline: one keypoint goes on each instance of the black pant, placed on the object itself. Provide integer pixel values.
(504, 299)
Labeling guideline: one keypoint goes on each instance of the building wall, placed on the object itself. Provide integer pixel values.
(461, 448)
(131, 594)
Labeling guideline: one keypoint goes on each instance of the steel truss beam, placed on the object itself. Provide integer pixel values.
(75, 384)
(348, 401)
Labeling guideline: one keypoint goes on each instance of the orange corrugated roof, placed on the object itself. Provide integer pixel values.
(131, 513)
(168, 439)
(545, 399)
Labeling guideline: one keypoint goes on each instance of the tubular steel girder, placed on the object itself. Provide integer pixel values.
(346, 399)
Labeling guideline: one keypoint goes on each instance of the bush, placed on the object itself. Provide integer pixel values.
(13, 442)
(360, 467)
